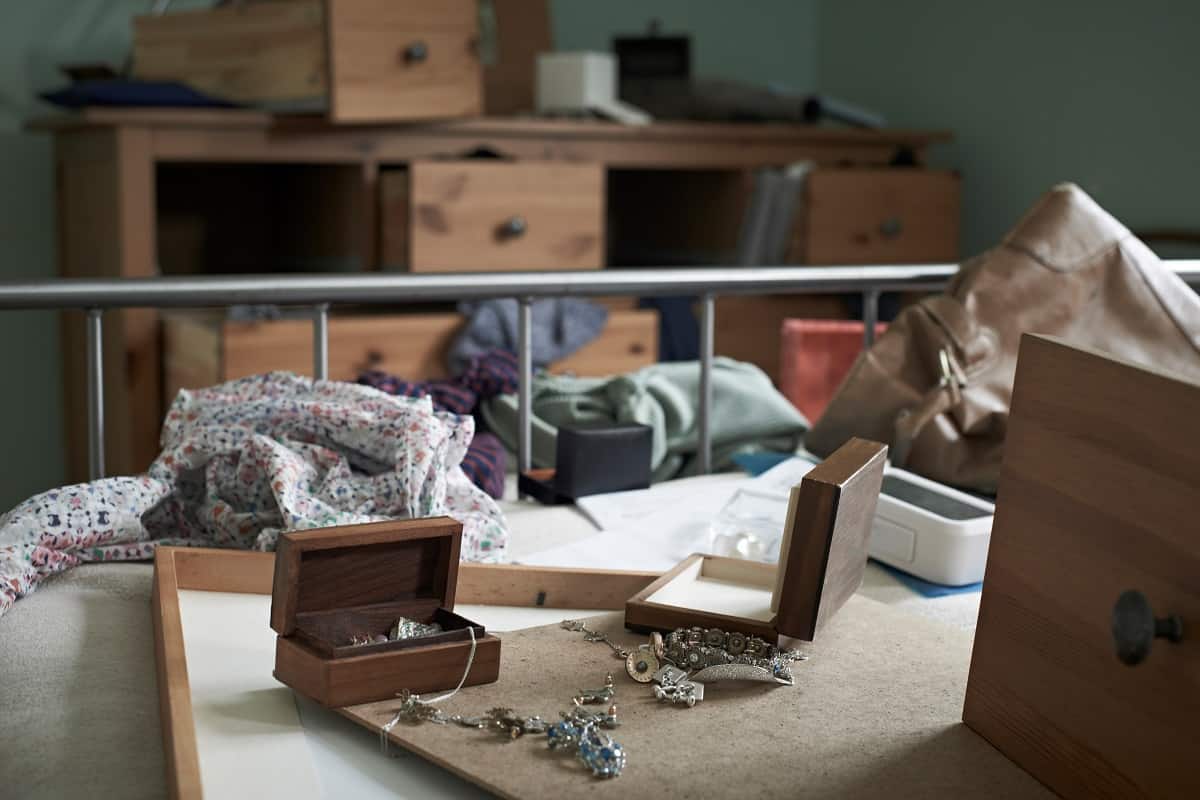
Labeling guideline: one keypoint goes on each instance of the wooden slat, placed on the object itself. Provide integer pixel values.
(174, 693)
(515, 585)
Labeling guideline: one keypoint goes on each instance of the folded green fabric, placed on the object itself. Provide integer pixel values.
(748, 415)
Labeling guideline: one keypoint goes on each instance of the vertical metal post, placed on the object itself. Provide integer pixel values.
(95, 392)
(870, 316)
(704, 418)
(321, 343)
(524, 383)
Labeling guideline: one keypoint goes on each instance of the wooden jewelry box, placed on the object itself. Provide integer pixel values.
(333, 584)
(821, 561)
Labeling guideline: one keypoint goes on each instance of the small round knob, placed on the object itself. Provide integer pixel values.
(1135, 627)
(512, 228)
(415, 52)
(891, 227)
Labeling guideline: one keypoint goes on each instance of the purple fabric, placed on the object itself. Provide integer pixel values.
(487, 375)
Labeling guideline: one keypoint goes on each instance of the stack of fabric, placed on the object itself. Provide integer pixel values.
(242, 462)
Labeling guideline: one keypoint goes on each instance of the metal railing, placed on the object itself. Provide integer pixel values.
(322, 291)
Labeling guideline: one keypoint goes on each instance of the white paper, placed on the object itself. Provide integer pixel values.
(621, 510)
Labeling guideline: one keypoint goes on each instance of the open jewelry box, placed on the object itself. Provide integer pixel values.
(333, 584)
(821, 561)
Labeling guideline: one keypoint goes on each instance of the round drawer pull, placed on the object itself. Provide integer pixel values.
(891, 227)
(415, 53)
(512, 228)
(1134, 627)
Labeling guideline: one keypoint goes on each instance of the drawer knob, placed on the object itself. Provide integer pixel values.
(415, 52)
(512, 228)
(891, 227)
(1135, 627)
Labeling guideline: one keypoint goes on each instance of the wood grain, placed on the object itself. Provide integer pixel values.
(751, 328)
(459, 210)
(834, 506)
(244, 52)
(522, 31)
(372, 80)
(1098, 494)
(202, 350)
(174, 691)
(877, 216)
(553, 587)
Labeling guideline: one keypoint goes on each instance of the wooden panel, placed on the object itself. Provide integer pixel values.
(751, 328)
(459, 210)
(1098, 495)
(878, 216)
(202, 350)
(554, 587)
(395, 219)
(246, 52)
(174, 691)
(522, 31)
(105, 194)
(373, 79)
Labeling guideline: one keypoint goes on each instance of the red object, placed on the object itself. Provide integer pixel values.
(815, 357)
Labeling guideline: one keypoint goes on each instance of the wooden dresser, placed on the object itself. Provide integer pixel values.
(150, 192)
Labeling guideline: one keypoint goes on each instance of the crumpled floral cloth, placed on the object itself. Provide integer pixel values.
(242, 461)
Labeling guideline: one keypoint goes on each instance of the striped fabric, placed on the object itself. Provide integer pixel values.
(493, 373)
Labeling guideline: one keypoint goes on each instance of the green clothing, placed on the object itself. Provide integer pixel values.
(748, 414)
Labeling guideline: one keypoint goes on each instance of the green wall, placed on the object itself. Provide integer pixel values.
(1099, 93)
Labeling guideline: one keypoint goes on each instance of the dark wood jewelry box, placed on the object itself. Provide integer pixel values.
(332, 584)
(821, 561)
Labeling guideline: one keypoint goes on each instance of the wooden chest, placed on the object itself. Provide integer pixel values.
(821, 562)
(335, 586)
(360, 60)
(1086, 665)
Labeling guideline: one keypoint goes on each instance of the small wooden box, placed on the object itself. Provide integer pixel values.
(334, 583)
(821, 561)
(360, 60)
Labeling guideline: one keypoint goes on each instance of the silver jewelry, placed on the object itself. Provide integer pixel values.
(404, 628)
(579, 729)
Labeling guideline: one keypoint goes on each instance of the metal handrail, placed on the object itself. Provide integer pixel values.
(321, 291)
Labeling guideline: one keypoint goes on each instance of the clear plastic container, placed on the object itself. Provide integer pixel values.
(749, 526)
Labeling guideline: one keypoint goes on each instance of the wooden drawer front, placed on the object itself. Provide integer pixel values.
(878, 216)
(460, 213)
(204, 351)
(404, 59)
(363, 60)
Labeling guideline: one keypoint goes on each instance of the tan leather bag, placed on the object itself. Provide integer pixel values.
(938, 384)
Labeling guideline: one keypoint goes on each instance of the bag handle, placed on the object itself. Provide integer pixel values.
(940, 399)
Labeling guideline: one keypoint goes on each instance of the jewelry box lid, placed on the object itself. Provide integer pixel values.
(824, 550)
(375, 563)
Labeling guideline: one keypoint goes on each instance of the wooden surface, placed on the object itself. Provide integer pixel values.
(873, 714)
(1098, 494)
(359, 565)
(830, 517)
(553, 587)
(877, 216)
(237, 135)
(371, 79)
(459, 208)
(200, 350)
(247, 53)
(174, 694)
(522, 31)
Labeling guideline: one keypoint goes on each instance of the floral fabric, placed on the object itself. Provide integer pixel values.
(245, 460)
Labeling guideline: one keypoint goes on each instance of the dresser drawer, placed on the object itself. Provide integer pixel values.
(202, 350)
(360, 60)
(470, 216)
(877, 216)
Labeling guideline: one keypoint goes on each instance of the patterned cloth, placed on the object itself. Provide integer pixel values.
(245, 460)
(485, 376)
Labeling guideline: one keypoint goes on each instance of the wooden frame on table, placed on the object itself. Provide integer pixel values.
(204, 569)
